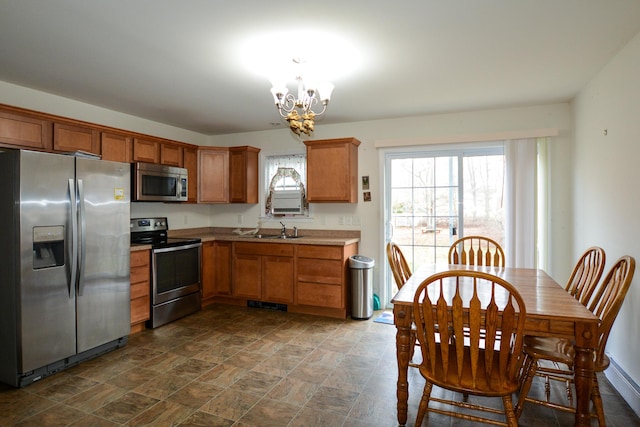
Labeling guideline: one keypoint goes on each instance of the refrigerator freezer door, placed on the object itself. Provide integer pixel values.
(47, 309)
(103, 303)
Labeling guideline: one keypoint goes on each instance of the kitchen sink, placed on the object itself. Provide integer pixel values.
(268, 236)
(275, 236)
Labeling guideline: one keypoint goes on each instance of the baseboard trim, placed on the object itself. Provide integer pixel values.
(628, 389)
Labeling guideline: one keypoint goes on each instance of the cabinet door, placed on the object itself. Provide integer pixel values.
(115, 147)
(243, 185)
(208, 270)
(75, 138)
(146, 150)
(222, 269)
(332, 170)
(25, 131)
(247, 277)
(277, 279)
(213, 175)
(171, 154)
(190, 159)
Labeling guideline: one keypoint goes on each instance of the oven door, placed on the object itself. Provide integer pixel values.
(176, 272)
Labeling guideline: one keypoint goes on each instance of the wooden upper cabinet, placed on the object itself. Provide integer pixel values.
(171, 154)
(25, 131)
(146, 150)
(332, 170)
(244, 174)
(213, 175)
(115, 147)
(75, 138)
(190, 162)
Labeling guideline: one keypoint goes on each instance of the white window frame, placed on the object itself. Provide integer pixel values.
(264, 183)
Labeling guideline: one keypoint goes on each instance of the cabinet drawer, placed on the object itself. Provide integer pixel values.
(320, 271)
(139, 290)
(320, 295)
(270, 249)
(140, 274)
(321, 252)
(140, 258)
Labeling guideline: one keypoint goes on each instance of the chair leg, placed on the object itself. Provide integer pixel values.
(530, 373)
(424, 403)
(597, 401)
(512, 420)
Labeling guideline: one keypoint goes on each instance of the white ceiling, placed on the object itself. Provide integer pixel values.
(180, 62)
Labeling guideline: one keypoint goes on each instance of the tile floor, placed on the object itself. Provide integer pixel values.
(232, 366)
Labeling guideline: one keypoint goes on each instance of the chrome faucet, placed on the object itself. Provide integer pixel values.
(283, 230)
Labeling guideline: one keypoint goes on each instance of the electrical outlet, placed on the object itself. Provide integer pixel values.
(347, 220)
(356, 220)
(240, 219)
(185, 220)
(341, 220)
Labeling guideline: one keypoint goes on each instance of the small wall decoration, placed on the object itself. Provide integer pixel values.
(367, 196)
(365, 182)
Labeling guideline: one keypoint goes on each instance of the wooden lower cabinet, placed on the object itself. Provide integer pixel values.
(140, 289)
(263, 272)
(216, 271)
(322, 280)
(311, 279)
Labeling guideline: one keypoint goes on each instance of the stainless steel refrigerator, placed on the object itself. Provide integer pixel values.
(64, 261)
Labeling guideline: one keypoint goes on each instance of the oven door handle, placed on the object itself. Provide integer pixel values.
(177, 248)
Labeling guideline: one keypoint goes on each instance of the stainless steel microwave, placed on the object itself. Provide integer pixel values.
(158, 183)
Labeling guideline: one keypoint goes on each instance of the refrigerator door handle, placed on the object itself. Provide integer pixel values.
(82, 247)
(74, 237)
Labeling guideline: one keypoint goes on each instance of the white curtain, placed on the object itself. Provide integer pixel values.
(520, 200)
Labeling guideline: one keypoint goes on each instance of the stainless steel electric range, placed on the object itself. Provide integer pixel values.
(175, 270)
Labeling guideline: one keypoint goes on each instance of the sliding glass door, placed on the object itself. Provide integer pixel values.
(433, 197)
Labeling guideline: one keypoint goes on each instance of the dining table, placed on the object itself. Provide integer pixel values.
(550, 311)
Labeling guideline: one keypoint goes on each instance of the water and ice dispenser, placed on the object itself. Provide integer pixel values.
(48, 246)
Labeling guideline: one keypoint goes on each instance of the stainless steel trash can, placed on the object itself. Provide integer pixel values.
(361, 286)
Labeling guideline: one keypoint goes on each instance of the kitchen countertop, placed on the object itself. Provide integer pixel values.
(307, 237)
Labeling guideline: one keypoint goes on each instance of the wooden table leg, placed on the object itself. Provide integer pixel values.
(583, 369)
(402, 320)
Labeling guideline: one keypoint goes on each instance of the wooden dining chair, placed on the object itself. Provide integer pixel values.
(586, 274)
(398, 263)
(605, 304)
(476, 250)
(581, 284)
(487, 361)
(401, 273)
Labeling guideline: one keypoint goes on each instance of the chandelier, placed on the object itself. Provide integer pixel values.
(299, 111)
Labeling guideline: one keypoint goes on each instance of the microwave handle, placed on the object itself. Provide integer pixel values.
(179, 187)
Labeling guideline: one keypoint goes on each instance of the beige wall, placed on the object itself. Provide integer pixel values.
(606, 181)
